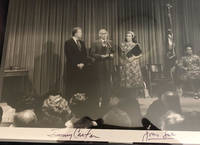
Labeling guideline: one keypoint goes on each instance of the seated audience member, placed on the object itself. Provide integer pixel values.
(130, 104)
(26, 118)
(55, 112)
(168, 101)
(25, 106)
(79, 105)
(189, 70)
(23, 101)
(117, 117)
(83, 104)
(125, 110)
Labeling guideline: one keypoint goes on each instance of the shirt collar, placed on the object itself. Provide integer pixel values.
(75, 39)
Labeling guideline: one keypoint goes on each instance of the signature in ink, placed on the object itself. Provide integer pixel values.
(76, 134)
(150, 135)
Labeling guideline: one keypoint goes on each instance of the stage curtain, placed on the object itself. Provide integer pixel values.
(187, 26)
(37, 29)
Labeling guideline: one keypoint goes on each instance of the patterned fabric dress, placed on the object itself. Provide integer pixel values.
(130, 72)
(190, 66)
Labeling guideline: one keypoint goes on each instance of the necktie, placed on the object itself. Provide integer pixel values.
(79, 45)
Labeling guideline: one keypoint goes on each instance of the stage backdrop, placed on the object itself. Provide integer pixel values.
(37, 29)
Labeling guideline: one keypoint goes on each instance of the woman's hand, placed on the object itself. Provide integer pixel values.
(105, 56)
(130, 59)
(134, 58)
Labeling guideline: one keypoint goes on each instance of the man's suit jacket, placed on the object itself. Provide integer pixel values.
(104, 66)
(74, 55)
(73, 76)
(97, 49)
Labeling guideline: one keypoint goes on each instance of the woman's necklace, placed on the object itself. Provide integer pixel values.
(130, 44)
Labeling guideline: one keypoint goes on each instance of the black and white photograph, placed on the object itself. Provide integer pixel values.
(100, 64)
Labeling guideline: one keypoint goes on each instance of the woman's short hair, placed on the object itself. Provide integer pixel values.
(133, 36)
(74, 30)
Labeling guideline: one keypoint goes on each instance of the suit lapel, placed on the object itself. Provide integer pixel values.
(75, 45)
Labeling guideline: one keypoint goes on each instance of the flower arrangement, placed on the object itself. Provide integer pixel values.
(56, 111)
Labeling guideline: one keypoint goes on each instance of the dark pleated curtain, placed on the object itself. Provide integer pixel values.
(187, 26)
(37, 29)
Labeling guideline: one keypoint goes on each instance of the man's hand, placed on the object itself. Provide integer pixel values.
(111, 55)
(104, 56)
(80, 65)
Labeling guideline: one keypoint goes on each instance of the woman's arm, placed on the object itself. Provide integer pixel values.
(136, 53)
(134, 58)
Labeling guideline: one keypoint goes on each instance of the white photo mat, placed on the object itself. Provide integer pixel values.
(53, 135)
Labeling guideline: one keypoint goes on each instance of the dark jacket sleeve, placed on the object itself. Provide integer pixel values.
(84, 52)
(94, 52)
(69, 54)
(86, 59)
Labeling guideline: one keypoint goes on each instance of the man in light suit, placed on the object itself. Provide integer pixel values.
(102, 51)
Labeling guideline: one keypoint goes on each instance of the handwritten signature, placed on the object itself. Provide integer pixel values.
(149, 135)
(76, 134)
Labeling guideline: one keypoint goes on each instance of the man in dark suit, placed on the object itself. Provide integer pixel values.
(76, 56)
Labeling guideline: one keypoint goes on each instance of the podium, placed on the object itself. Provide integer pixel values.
(10, 77)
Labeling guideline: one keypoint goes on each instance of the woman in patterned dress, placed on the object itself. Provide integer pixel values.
(130, 72)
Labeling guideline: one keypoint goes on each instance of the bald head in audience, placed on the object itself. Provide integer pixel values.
(26, 118)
